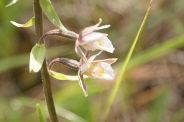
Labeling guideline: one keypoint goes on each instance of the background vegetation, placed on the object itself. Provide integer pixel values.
(152, 89)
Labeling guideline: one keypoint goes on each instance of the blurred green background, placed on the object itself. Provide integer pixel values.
(153, 86)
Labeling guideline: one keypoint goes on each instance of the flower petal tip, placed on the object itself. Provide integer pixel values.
(102, 27)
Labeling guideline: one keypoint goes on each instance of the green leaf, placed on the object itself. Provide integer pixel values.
(124, 66)
(12, 2)
(40, 115)
(37, 56)
(61, 76)
(49, 11)
(27, 24)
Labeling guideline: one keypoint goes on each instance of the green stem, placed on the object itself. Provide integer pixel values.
(44, 72)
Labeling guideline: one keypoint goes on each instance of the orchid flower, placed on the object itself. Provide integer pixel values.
(91, 40)
(100, 69)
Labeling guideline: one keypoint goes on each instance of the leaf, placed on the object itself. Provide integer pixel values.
(40, 115)
(49, 11)
(37, 56)
(61, 76)
(12, 2)
(124, 66)
(27, 24)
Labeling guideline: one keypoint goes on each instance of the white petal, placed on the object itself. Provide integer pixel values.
(105, 69)
(91, 37)
(87, 64)
(102, 27)
(102, 43)
(109, 61)
(84, 67)
(105, 44)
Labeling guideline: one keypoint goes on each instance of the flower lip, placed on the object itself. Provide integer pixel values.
(101, 70)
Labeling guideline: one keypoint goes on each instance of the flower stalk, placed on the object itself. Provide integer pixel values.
(69, 34)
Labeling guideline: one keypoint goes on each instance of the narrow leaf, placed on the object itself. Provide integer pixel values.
(49, 11)
(27, 24)
(124, 67)
(61, 76)
(40, 115)
(12, 2)
(37, 56)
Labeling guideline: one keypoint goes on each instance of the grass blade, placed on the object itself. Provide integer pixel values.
(118, 82)
(40, 114)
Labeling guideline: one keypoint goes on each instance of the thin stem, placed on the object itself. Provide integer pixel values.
(44, 72)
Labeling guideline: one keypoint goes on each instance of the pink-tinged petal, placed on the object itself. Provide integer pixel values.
(87, 64)
(90, 29)
(87, 54)
(91, 37)
(109, 61)
(79, 51)
(81, 83)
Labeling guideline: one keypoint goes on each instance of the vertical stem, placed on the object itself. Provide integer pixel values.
(48, 93)
(38, 20)
(44, 72)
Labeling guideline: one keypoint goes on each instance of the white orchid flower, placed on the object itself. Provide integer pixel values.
(91, 40)
(100, 69)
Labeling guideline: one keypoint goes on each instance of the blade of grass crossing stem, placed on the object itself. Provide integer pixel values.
(40, 115)
(120, 77)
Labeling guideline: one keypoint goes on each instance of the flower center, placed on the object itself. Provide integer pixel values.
(99, 43)
(100, 73)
